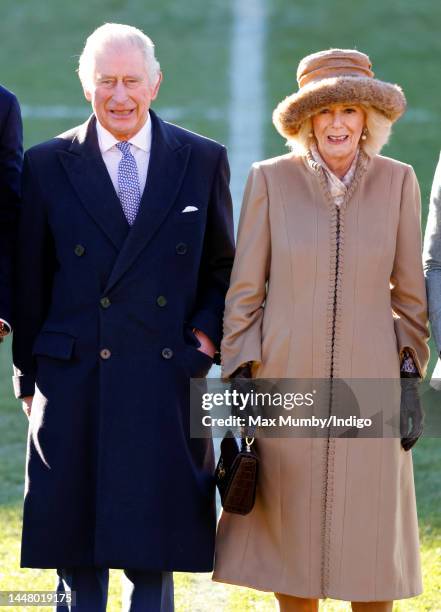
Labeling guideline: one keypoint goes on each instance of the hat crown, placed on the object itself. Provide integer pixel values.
(333, 63)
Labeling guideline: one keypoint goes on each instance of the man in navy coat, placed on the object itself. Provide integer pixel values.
(11, 153)
(126, 246)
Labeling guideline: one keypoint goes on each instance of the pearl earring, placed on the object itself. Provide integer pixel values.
(310, 135)
(364, 134)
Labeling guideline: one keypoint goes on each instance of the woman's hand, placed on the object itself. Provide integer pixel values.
(411, 412)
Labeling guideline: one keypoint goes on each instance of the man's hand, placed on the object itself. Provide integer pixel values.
(411, 413)
(26, 404)
(207, 345)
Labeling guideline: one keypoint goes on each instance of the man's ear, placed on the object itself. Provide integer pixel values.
(87, 94)
(155, 88)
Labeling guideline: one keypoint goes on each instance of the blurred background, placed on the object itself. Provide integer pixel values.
(226, 65)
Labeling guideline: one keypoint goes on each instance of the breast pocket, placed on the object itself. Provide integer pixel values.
(194, 216)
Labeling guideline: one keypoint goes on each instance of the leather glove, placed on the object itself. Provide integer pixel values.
(411, 412)
(240, 383)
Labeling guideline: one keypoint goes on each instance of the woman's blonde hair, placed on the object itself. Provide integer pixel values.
(378, 132)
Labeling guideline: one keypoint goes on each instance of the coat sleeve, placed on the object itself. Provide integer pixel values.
(408, 293)
(245, 299)
(432, 257)
(217, 257)
(11, 153)
(35, 265)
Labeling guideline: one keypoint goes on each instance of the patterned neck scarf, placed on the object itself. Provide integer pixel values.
(337, 187)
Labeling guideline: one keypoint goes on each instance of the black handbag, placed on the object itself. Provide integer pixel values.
(236, 474)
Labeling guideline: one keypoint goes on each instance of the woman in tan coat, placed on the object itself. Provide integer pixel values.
(328, 283)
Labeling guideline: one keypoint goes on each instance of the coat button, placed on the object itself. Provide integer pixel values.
(105, 354)
(161, 300)
(181, 248)
(79, 250)
(167, 353)
(105, 302)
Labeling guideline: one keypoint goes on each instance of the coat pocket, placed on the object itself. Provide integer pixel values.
(193, 216)
(198, 363)
(54, 344)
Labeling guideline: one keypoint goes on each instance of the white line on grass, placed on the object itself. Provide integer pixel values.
(170, 113)
(58, 111)
(247, 92)
(247, 102)
(247, 99)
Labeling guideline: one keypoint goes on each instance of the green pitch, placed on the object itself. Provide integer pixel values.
(41, 40)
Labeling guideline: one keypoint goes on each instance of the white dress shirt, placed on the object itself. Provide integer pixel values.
(140, 145)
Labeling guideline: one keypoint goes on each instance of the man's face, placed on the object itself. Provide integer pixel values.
(121, 92)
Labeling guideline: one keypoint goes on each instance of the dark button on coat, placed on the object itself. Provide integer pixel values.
(181, 248)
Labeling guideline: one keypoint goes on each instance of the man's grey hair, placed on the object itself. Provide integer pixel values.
(116, 34)
(378, 132)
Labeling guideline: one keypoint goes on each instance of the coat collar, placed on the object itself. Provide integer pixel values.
(360, 170)
(89, 177)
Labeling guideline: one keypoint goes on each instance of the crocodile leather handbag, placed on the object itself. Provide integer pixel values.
(236, 475)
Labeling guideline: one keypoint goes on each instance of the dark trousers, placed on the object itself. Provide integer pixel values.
(144, 591)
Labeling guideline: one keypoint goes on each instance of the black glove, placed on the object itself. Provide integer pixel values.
(240, 382)
(411, 412)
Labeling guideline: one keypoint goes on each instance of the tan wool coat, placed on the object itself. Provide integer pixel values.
(317, 291)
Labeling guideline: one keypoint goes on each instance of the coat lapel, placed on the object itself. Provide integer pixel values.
(88, 175)
(167, 167)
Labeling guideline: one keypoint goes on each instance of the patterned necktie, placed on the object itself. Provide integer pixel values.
(128, 182)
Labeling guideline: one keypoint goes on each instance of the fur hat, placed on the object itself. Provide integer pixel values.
(336, 76)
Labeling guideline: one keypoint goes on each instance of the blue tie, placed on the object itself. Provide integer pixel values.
(128, 182)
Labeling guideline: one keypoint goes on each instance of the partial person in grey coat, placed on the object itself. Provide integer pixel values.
(432, 261)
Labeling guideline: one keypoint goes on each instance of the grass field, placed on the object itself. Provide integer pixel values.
(40, 43)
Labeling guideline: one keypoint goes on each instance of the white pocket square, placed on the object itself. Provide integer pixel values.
(189, 209)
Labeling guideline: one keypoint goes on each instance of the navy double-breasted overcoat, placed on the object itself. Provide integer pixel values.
(103, 322)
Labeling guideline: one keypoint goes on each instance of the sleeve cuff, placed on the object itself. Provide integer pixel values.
(24, 386)
(406, 353)
(209, 324)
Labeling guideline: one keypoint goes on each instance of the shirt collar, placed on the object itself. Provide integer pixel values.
(142, 139)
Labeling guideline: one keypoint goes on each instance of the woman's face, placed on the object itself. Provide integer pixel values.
(337, 130)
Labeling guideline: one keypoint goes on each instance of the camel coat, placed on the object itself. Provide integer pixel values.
(318, 292)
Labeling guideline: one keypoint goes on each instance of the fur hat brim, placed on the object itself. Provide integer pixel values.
(295, 109)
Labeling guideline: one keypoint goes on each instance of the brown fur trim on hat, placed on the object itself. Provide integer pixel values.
(294, 109)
